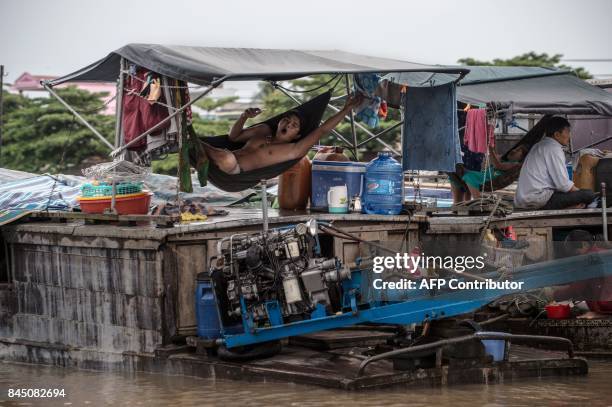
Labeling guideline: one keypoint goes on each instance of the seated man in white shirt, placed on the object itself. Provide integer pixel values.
(544, 182)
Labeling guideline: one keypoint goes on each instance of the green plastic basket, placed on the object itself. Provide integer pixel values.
(103, 189)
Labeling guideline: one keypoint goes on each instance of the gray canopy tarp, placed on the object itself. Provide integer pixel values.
(521, 89)
(203, 65)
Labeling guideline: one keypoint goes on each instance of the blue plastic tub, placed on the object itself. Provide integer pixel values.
(327, 174)
(206, 309)
(495, 348)
(207, 315)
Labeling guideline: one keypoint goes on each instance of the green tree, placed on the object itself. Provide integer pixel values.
(40, 135)
(530, 59)
(212, 104)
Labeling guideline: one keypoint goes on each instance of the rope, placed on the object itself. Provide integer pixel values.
(157, 102)
(97, 109)
(61, 164)
(416, 188)
(337, 76)
(162, 86)
(504, 207)
(489, 218)
(181, 122)
(493, 118)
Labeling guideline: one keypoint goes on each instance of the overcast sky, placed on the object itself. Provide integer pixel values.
(57, 37)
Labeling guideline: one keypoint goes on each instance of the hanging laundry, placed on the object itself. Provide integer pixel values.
(154, 90)
(186, 138)
(430, 139)
(471, 161)
(391, 93)
(165, 142)
(477, 130)
(366, 84)
(138, 114)
(383, 110)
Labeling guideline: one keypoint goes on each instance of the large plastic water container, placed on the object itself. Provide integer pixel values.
(383, 191)
(206, 308)
(327, 174)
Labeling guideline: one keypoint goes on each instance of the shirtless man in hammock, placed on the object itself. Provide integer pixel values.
(263, 148)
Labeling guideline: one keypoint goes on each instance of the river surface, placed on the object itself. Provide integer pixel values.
(91, 388)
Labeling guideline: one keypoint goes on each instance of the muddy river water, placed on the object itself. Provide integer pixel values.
(92, 388)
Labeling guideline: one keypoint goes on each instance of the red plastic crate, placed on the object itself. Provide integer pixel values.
(132, 204)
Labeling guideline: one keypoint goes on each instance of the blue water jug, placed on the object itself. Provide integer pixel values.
(206, 308)
(383, 188)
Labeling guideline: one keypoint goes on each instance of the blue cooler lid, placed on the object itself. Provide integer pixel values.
(343, 166)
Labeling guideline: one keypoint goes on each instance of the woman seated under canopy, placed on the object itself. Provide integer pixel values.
(476, 179)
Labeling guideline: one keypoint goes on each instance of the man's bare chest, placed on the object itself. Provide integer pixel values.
(259, 147)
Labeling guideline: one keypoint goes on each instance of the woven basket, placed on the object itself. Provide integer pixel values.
(103, 189)
(501, 257)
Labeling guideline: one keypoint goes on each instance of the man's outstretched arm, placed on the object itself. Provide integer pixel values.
(302, 147)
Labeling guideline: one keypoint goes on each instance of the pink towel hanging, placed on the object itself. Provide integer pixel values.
(476, 129)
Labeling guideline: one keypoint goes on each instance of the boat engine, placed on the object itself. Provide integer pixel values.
(277, 274)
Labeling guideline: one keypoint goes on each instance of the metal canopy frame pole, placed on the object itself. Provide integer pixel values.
(382, 133)
(373, 137)
(210, 88)
(118, 150)
(77, 115)
(352, 117)
(264, 205)
(119, 104)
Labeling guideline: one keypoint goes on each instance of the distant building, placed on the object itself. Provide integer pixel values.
(604, 83)
(229, 111)
(245, 98)
(29, 85)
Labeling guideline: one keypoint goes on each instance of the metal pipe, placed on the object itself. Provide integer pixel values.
(74, 112)
(170, 116)
(494, 319)
(604, 211)
(119, 105)
(264, 205)
(368, 132)
(114, 198)
(385, 131)
(477, 335)
(352, 117)
(594, 143)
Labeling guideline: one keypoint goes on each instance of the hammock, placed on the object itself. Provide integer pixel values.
(312, 112)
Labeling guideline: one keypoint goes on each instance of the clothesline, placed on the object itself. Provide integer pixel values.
(162, 86)
(137, 94)
(337, 76)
